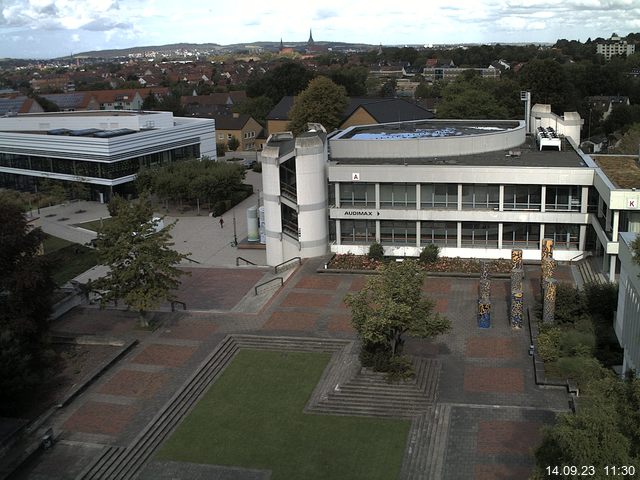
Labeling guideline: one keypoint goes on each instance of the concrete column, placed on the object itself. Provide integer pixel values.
(543, 200)
(418, 196)
(459, 199)
(541, 235)
(583, 238)
(500, 227)
(616, 224)
(338, 232)
(459, 234)
(378, 198)
(378, 230)
(418, 233)
(612, 267)
(501, 204)
(337, 194)
(584, 204)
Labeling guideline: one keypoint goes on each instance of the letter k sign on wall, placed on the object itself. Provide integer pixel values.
(355, 177)
(632, 203)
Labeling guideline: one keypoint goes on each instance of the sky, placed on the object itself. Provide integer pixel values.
(53, 28)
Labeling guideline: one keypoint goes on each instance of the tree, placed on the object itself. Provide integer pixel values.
(258, 108)
(233, 144)
(26, 287)
(630, 142)
(142, 266)
(604, 431)
(321, 102)
(470, 96)
(288, 78)
(391, 305)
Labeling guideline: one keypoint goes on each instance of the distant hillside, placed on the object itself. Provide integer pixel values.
(123, 52)
(210, 47)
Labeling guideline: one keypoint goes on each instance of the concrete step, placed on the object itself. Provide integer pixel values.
(128, 462)
(438, 443)
(97, 469)
(363, 411)
(375, 391)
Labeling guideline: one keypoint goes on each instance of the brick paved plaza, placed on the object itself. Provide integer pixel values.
(486, 377)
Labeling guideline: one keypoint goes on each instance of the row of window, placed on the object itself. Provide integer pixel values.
(473, 234)
(445, 196)
(83, 168)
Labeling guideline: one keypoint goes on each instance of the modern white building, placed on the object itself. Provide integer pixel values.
(615, 46)
(476, 189)
(104, 149)
(627, 321)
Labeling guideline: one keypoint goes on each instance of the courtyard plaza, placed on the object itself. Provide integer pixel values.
(480, 418)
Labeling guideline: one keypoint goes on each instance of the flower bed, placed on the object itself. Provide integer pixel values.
(350, 261)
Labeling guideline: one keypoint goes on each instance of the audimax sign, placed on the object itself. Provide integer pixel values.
(361, 213)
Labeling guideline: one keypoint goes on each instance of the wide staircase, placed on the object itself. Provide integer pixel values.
(125, 463)
(425, 453)
(590, 271)
(369, 393)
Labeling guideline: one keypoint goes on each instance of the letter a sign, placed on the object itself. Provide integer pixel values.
(355, 177)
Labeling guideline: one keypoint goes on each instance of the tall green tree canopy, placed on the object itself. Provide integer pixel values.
(321, 102)
(142, 265)
(26, 287)
(392, 304)
(288, 78)
(471, 96)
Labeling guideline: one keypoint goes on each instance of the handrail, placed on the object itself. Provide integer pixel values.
(583, 254)
(268, 282)
(248, 262)
(275, 269)
(192, 260)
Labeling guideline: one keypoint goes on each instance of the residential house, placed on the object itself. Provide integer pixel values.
(19, 104)
(241, 126)
(606, 104)
(71, 102)
(359, 111)
(214, 104)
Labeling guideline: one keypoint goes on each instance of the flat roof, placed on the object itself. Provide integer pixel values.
(90, 113)
(526, 155)
(622, 170)
(426, 129)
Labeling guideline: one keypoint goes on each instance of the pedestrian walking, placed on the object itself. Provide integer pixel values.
(221, 223)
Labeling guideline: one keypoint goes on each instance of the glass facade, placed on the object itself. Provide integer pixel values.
(480, 197)
(563, 198)
(441, 233)
(398, 195)
(480, 235)
(522, 197)
(439, 195)
(564, 236)
(85, 168)
(398, 232)
(521, 235)
(357, 231)
(358, 195)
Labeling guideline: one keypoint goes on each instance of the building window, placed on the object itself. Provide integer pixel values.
(221, 136)
(480, 197)
(441, 233)
(397, 232)
(480, 235)
(289, 221)
(357, 195)
(229, 136)
(357, 232)
(398, 195)
(563, 198)
(522, 197)
(439, 195)
(565, 237)
(523, 235)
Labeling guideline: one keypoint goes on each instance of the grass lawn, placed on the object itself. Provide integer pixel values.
(68, 259)
(93, 225)
(252, 417)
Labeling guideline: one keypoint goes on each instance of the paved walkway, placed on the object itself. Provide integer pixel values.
(492, 409)
(201, 236)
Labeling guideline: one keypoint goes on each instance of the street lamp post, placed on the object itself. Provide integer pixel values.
(235, 237)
